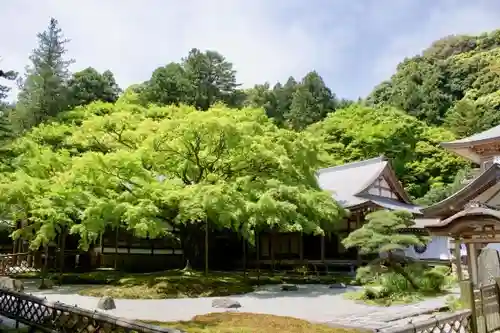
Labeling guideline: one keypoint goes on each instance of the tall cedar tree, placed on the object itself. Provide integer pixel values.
(212, 78)
(44, 92)
(310, 103)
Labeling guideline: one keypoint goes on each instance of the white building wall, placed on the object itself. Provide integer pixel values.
(437, 249)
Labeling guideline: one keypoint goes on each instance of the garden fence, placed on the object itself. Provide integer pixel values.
(456, 322)
(44, 316)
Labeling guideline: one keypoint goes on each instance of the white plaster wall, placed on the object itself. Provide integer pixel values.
(437, 248)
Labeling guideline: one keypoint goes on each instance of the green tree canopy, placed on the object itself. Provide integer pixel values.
(88, 85)
(201, 80)
(360, 132)
(141, 168)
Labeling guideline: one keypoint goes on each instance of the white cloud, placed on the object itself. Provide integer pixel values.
(267, 40)
(132, 38)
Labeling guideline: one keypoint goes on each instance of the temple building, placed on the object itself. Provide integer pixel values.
(471, 216)
(372, 184)
(361, 187)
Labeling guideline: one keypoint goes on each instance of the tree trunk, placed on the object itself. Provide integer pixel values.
(43, 285)
(257, 248)
(117, 234)
(62, 248)
(244, 254)
(206, 246)
(400, 270)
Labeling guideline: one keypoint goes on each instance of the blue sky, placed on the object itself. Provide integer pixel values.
(353, 44)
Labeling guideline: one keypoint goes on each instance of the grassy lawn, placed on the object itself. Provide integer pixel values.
(179, 284)
(240, 322)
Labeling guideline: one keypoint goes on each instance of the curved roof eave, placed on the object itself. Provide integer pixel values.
(471, 189)
(492, 134)
(446, 226)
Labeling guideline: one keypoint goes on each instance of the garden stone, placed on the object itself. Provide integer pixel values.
(106, 303)
(225, 303)
(289, 287)
(11, 284)
(338, 286)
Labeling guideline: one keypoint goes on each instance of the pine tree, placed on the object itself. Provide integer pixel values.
(4, 90)
(383, 235)
(44, 89)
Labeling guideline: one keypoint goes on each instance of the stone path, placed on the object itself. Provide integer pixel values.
(384, 317)
(315, 303)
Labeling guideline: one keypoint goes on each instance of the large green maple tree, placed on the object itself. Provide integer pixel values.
(145, 168)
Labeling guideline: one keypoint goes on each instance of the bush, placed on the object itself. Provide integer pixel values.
(384, 286)
(433, 280)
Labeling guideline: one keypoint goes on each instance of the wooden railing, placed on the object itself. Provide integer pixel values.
(44, 316)
(457, 322)
(486, 308)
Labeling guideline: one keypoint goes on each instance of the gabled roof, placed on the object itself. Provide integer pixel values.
(455, 202)
(349, 184)
(463, 146)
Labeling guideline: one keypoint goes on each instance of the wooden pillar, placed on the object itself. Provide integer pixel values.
(323, 248)
(467, 297)
(472, 262)
(458, 258)
(358, 255)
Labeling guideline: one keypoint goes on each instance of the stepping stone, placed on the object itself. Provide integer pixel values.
(226, 303)
(289, 287)
(338, 286)
(106, 303)
(11, 284)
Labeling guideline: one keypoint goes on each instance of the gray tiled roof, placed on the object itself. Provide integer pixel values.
(492, 133)
(393, 204)
(347, 181)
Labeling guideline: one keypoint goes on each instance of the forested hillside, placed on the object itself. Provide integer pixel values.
(190, 145)
(454, 83)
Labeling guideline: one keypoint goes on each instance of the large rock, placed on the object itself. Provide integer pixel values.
(488, 264)
(106, 303)
(225, 303)
(289, 287)
(11, 284)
